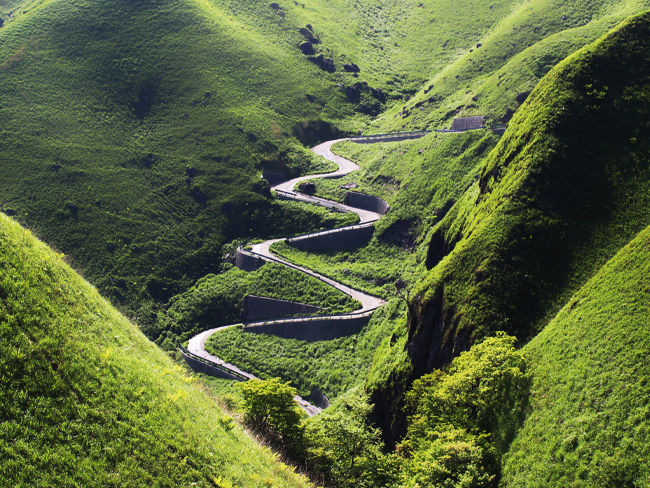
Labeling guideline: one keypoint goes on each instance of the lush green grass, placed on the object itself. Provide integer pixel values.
(332, 366)
(397, 45)
(329, 365)
(589, 424)
(145, 124)
(217, 300)
(374, 269)
(558, 196)
(87, 400)
(514, 54)
(133, 134)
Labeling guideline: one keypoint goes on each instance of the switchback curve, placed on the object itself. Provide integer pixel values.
(369, 303)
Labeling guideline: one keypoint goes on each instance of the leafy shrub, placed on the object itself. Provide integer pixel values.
(271, 410)
(227, 422)
(465, 417)
(343, 448)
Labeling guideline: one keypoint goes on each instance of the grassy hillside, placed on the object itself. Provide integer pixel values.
(333, 366)
(145, 124)
(87, 400)
(560, 194)
(397, 45)
(494, 74)
(422, 179)
(133, 134)
(588, 423)
(217, 300)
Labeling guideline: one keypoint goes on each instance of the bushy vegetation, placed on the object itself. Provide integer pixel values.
(331, 366)
(464, 418)
(269, 408)
(588, 423)
(87, 400)
(344, 448)
(217, 300)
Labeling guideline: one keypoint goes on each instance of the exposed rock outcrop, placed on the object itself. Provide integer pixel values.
(326, 64)
(306, 48)
(309, 35)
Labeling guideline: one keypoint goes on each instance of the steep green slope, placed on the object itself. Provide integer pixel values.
(589, 424)
(132, 134)
(86, 400)
(422, 179)
(397, 45)
(145, 124)
(494, 75)
(561, 193)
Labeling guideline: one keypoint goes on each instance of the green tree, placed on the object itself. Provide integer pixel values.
(464, 418)
(270, 409)
(450, 458)
(344, 448)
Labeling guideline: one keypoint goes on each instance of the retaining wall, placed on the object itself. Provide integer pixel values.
(247, 262)
(205, 367)
(390, 137)
(366, 202)
(258, 308)
(467, 123)
(335, 240)
(321, 329)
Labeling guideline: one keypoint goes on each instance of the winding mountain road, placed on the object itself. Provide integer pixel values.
(369, 303)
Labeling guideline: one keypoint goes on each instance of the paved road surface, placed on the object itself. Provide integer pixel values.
(368, 302)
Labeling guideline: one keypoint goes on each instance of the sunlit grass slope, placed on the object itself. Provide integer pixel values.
(87, 400)
(589, 423)
(564, 189)
(398, 45)
(144, 124)
(133, 133)
(494, 75)
(560, 194)
(422, 179)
